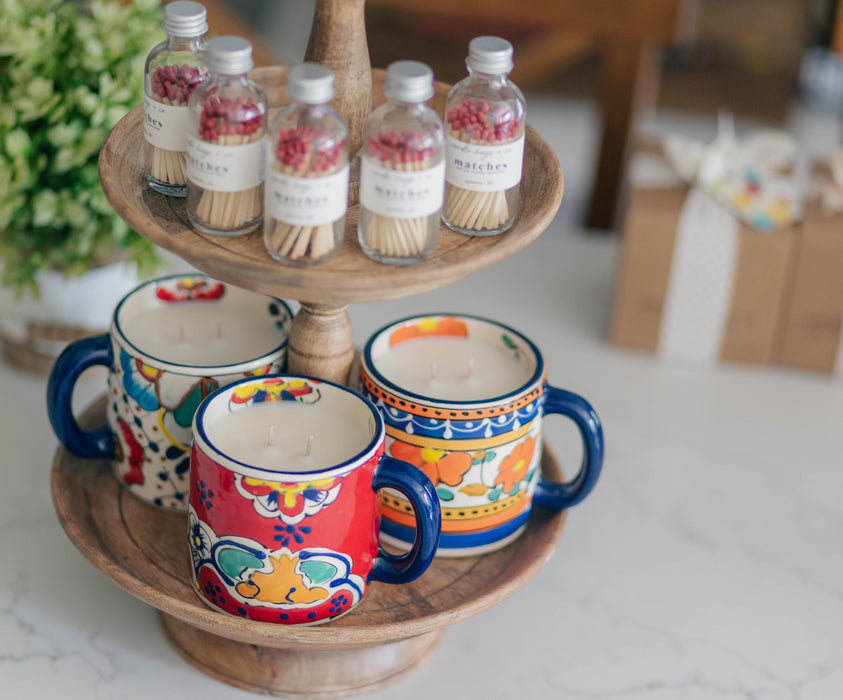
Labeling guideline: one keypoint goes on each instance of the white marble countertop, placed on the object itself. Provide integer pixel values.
(706, 565)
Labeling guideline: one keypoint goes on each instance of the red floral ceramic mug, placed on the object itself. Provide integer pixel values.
(284, 513)
(463, 399)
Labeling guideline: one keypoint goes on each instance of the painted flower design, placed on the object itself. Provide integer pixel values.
(290, 502)
(132, 452)
(440, 466)
(515, 466)
(190, 288)
(426, 327)
(257, 577)
(200, 538)
(260, 371)
(140, 381)
(276, 390)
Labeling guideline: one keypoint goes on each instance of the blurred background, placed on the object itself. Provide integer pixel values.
(600, 73)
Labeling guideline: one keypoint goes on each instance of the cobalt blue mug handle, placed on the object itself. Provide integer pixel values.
(575, 407)
(414, 484)
(75, 359)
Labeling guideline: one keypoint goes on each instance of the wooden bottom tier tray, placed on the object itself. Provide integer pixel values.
(394, 629)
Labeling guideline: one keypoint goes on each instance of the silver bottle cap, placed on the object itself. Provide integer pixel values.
(409, 81)
(310, 83)
(185, 18)
(230, 55)
(489, 54)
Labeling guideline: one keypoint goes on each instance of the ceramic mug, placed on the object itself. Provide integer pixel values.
(463, 399)
(284, 512)
(171, 342)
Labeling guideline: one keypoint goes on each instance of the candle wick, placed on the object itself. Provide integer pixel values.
(269, 437)
(309, 445)
(432, 371)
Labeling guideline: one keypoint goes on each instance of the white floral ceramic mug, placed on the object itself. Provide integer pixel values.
(172, 342)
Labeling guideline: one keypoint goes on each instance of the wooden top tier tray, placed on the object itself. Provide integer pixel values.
(351, 276)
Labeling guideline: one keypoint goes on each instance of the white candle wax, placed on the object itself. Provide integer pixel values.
(453, 369)
(207, 334)
(276, 435)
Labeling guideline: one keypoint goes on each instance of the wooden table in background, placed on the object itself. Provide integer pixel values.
(626, 34)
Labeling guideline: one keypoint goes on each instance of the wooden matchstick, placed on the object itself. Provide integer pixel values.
(171, 85)
(305, 152)
(479, 123)
(396, 238)
(228, 122)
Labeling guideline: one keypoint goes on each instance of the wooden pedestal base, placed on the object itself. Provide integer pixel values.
(302, 672)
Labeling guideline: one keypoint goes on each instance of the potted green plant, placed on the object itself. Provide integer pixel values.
(69, 70)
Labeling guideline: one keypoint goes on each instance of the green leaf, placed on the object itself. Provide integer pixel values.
(68, 72)
(444, 494)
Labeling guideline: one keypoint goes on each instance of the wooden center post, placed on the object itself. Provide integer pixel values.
(338, 41)
(321, 342)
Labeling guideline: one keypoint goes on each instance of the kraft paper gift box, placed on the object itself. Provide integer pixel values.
(813, 337)
(705, 255)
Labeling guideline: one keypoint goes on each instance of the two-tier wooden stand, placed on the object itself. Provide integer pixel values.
(144, 550)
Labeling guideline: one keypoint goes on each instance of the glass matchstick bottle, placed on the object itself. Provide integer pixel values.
(485, 115)
(173, 70)
(402, 178)
(306, 189)
(226, 145)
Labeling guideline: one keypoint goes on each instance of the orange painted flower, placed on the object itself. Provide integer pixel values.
(426, 327)
(439, 466)
(514, 467)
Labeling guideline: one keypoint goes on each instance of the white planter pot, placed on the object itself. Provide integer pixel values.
(34, 331)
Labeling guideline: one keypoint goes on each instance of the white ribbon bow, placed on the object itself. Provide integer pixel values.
(829, 191)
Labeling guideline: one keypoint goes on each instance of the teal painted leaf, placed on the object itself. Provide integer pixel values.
(319, 571)
(494, 495)
(183, 415)
(508, 341)
(233, 562)
(444, 494)
(483, 457)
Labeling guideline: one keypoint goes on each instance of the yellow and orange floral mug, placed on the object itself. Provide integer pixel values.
(463, 400)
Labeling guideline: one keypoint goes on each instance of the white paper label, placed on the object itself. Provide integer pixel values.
(482, 168)
(165, 126)
(307, 201)
(225, 168)
(399, 194)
